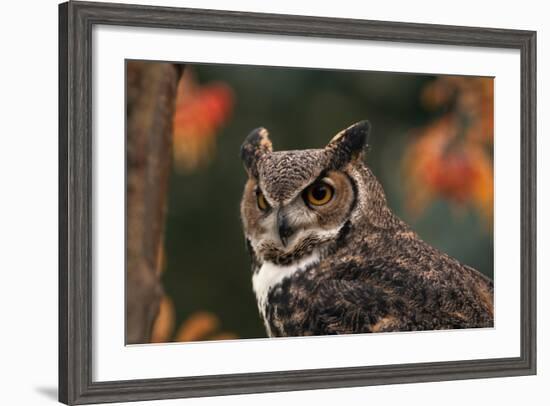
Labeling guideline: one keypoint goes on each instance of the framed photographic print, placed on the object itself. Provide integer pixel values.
(259, 202)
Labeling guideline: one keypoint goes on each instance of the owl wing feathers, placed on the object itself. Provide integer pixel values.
(361, 291)
(345, 307)
(384, 296)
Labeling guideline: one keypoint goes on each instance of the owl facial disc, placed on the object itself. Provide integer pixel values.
(296, 202)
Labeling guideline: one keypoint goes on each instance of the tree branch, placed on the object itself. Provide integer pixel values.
(151, 95)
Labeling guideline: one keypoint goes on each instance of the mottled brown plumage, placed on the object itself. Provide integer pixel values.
(348, 265)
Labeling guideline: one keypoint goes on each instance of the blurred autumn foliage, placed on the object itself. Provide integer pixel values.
(199, 326)
(451, 158)
(201, 110)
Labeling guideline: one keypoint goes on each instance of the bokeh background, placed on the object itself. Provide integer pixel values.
(431, 148)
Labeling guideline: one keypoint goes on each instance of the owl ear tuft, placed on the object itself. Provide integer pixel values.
(348, 144)
(255, 146)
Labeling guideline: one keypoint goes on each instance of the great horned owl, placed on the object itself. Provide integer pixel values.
(330, 257)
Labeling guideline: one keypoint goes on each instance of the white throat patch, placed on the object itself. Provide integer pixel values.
(271, 275)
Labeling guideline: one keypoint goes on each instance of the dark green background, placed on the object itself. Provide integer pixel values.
(207, 263)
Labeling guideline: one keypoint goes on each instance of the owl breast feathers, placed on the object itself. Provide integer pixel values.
(330, 257)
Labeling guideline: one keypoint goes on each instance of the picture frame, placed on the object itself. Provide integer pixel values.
(76, 211)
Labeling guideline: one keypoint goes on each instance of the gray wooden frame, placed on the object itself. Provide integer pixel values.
(76, 20)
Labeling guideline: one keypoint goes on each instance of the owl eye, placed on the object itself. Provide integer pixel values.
(319, 193)
(262, 203)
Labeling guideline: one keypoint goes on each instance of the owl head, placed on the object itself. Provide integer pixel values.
(296, 202)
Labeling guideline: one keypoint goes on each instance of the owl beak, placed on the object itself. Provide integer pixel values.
(285, 231)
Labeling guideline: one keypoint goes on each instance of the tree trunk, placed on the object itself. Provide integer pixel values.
(151, 96)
